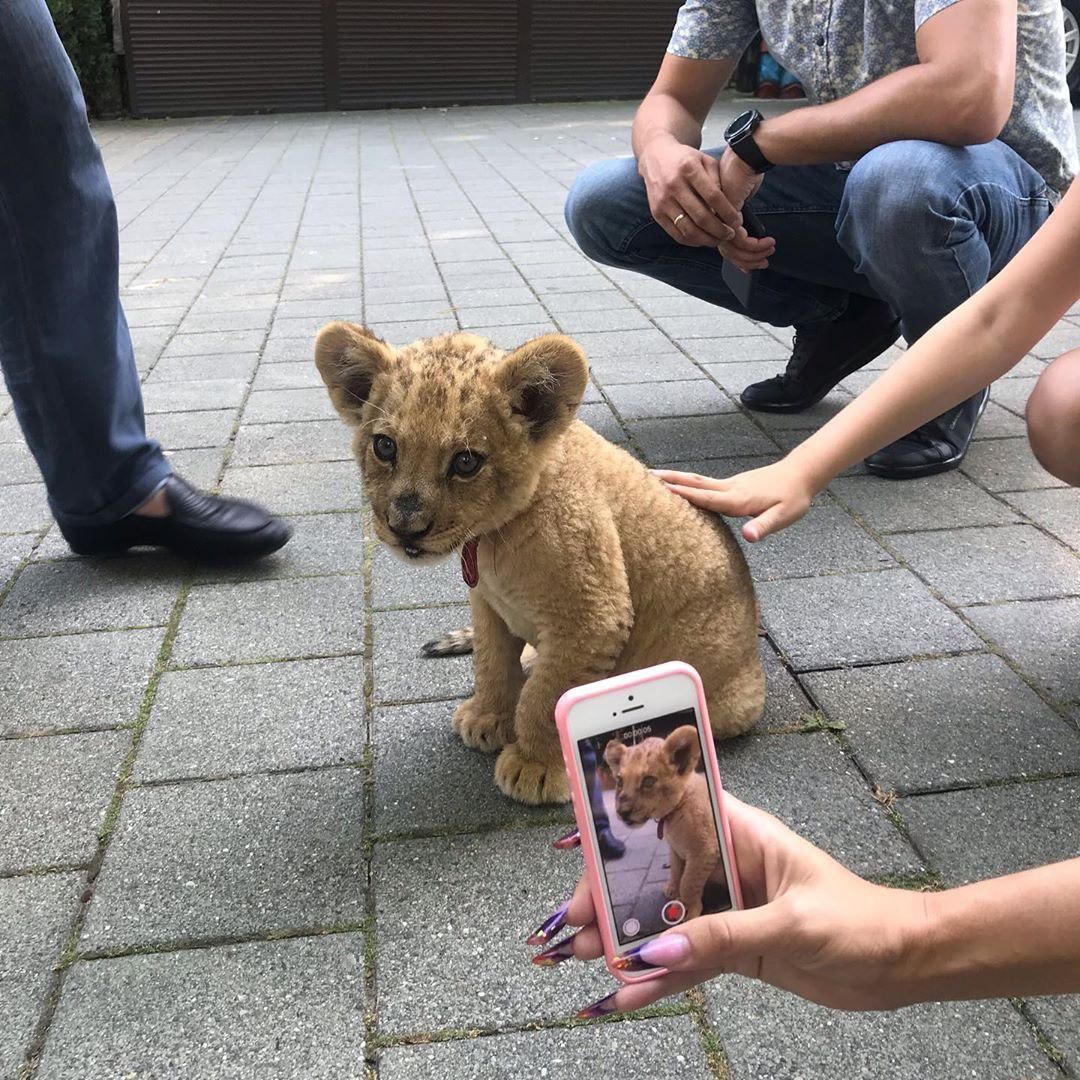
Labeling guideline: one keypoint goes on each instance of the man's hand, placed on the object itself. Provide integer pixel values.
(739, 182)
(774, 496)
(683, 185)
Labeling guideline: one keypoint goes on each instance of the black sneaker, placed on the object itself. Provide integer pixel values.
(825, 355)
(204, 527)
(935, 447)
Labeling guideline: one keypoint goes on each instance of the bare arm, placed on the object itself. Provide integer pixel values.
(815, 929)
(970, 348)
(959, 93)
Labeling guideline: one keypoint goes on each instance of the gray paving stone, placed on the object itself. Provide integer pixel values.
(401, 672)
(23, 508)
(245, 316)
(278, 406)
(602, 420)
(298, 488)
(483, 895)
(999, 423)
(233, 720)
(198, 395)
(643, 367)
(1059, 1018)
(399, 584)
(282, 444)
(272, 1009)
(1007, 465)
(934, 724)
(427, 780)
(624, 317)
(987, 832)
(321, 544)
(1064, 336)
(282, 350)
(84, 594)
(808, 782)
(728, 350)
(54, 792)
(501, 315)
(230, 365)
(17, 466)
(35, 919)
(642, 1048)
(699, 436)
(694, 397)
(1057, 511)
(825, 541)
(767, 1033)
(786, 706)
(199, 467)
(13, 550)
(975, 566)
(1042, 639)
(75, 681)
(297, 375)
(948, 501)
(214, 342)
(191, 431)
(714, 324)
(858, 619)
(271, 620)
(254, 855)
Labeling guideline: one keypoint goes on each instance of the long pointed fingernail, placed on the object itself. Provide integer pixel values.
(660, 952)
(549, 927)
(572, 839)
(604, 1007)
(564, 950)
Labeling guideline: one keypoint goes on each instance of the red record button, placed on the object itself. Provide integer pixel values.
(673, 912)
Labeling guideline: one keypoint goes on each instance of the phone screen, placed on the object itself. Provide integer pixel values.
(651, 804)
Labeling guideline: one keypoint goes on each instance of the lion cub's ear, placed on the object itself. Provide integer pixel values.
(682, 749)
(613, 754)
(349, 359)
(545, 379)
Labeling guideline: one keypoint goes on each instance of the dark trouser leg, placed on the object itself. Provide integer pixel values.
(64, 343)
(928, 225)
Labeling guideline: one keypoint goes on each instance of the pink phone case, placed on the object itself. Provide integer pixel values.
(581, 799)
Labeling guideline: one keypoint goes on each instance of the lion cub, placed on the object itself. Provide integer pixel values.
(572, 546)
(677, 798)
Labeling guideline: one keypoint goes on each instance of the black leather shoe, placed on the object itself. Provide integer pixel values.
(826, 355)
(935, 447)
(204, 527)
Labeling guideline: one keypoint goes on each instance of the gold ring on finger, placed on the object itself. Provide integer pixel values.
(677, 220)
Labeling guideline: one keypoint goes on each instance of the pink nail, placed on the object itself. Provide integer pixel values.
(665, 951)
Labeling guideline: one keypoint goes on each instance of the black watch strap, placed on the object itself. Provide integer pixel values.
(740, 137)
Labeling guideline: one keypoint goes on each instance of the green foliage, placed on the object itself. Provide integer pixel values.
(85, 27)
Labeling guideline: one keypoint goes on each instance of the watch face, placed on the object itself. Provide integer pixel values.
(742, 123)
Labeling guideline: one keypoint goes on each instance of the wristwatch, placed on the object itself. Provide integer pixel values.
(740, 137)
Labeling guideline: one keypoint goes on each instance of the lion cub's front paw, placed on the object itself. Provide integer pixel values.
(530, 781)
(671, 890)
(482, 728)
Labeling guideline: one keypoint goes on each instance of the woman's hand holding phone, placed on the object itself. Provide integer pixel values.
(810, 926)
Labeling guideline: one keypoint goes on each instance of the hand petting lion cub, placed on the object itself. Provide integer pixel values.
(569, 543)
(657, 780)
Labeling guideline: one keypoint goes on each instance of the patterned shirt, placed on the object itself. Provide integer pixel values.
(839, 47)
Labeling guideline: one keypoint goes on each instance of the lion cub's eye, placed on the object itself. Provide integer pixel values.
(465, 463)
(384, 447)
(648, 782)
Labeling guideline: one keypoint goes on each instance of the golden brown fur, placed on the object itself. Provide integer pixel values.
(582, 552)
(656, 780)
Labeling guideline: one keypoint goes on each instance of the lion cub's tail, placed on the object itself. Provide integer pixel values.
(453, 643)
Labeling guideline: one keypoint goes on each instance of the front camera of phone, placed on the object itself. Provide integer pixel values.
(631, 697)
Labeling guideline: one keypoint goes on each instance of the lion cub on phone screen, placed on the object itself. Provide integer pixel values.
(575, 548)
(657, 780)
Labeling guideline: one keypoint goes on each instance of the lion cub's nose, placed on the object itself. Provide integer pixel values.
(406, 517)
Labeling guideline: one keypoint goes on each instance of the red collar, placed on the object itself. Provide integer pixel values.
(470, 570)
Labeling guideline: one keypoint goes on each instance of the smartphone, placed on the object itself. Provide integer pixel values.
(741, 283)
(649, 805)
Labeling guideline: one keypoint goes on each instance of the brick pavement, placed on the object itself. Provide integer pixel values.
(239, 837)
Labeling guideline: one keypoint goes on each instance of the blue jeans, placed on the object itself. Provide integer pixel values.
(917, 224)
(64, 343)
